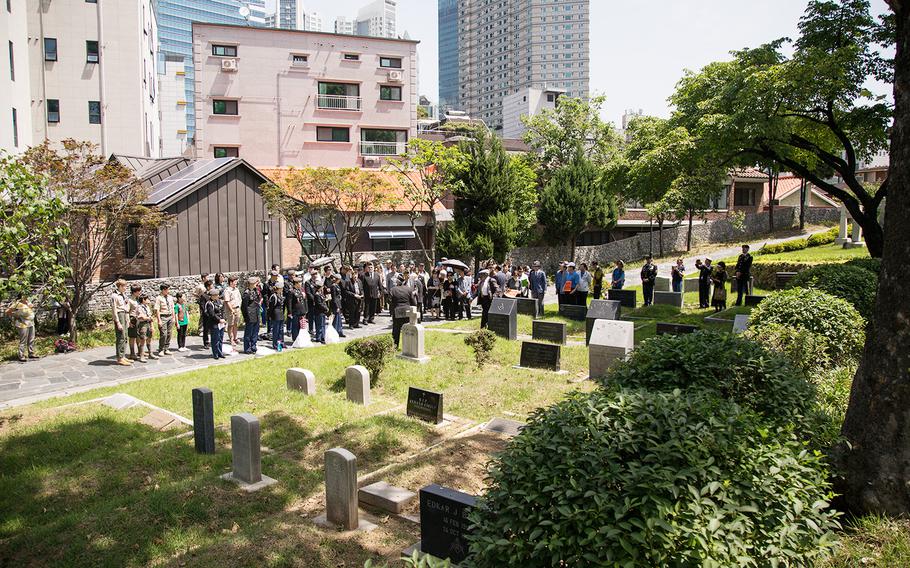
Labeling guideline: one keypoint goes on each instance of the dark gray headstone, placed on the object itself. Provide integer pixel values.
(626, 298)
(540, 355)
(203, 420)
(573, 312)
(527, 307)
(754, 300)
(425, 405)
(675, 328)
(444, 522)
(401, 312)
(600, 309)
(245, 449)
(554, 331)
(781, 279)
(502, 318)
(668, 298)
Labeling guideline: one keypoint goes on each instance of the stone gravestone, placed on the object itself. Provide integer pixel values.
(573, 312)
(600, 309)
(611, 340)
(444, 522)
(781, 279)
(412, 339)
(740, 323)
(626, 298)
(425, 405)
(675, 328)
(301, 380)
(540, 355)
(690, 285)
(246, 454)
(341, 489)
(502, 318)
(662, 284)
(554, 331)
(527, 306)
(753, 300)
(668, 299)
(203, 420)
(357, 384)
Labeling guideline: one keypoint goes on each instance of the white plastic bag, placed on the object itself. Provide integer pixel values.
(303, 340)
(331, 336)
(227, 349)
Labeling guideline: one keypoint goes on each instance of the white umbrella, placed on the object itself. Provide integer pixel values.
(455, 264)
(322, 261)
(368, 257)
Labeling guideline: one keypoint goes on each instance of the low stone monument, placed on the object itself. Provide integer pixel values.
(554, 331)
(301, 380)
(752, 300)
(425, 405)
(528, 307)
(675, 328)
(502, 318)
(412, 339)
(690, 285)
(626, 298)
(573, 312)
(781, 279)
(444, 523)
(668, 299)
(203, 421)
(357, 384)
(386, 497)
(540, 356)
(661, 284)
(246, 454)
(740, 323)
(600, 309)
(341, 489)
(611, 341)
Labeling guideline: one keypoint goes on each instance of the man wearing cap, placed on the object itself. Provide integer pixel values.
(400, 297)
(297, 306)
(648, 278)
(163, 311)
(214, 317)
(560, 280)
(570, 286)
(250, 303)
(537, 281)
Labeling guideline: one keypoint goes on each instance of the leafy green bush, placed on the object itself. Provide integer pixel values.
(786, 246)
(818, 312)
(806, 350)
(481, 342)
(826, 238)
(764, 272)
(833, 388)
(871, 264)
(730, 365)
(626, 477)
(374, 353)
(852, 283)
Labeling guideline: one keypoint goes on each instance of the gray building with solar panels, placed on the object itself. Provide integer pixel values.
(218, 216)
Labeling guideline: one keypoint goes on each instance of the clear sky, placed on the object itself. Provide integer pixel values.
(639, 48)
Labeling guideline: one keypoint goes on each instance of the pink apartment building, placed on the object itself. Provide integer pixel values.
(281, 98)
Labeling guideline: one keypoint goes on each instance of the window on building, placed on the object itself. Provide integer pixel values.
(224, 107)
(50, 49)
(744, 196)
(333, 134)
(91, 51)
(719, 201)
(9, 6)
(12, 63)
(53, 110)
(351, 57)
(392, 62)
(382, 142)
(91, 1)
(389, 93)
(131, 241)
(224, 50)
(389, 244)
(300, 60)
(94, 112)
(227, 152)
(15, 129)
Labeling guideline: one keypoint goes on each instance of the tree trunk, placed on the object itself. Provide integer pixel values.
(803, 187)
(689, 232)
(660, 237)
(875, 460)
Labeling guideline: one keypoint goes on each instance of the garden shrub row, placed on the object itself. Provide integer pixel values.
(813, 240)
(850, 282)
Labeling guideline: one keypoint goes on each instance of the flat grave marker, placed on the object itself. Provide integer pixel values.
(444, 522)
(527, 306)
(626, 298)
(573, 312)
(752, 300)
(740, 323)
(600, 309)
(386, 497)
(675, 328)
(554, 331)
(425, 405)
(502, 319)
(540, 355)
(668, 298)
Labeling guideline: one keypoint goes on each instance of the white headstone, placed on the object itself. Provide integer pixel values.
(412, 339)
(357, 384)
(740, 323)
(301, 379)
(611, 340)
(341, 488)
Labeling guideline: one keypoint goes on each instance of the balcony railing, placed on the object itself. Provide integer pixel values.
(382, 148)
(338, 102)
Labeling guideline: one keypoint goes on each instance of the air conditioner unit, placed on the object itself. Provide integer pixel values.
(228, 64)
(395, 76)
(371, 162)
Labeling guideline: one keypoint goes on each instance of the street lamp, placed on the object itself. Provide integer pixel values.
(266, 227)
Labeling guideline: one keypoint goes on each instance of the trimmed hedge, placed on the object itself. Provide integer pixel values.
(817, 312)
(871, 264)
(850, 282)
(814, 240)
(765, 272)
(631, 477)
(806, 350)
(729, 365)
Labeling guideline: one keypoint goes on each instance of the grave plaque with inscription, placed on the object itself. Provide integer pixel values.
(611, 341)
(626, 298)
(554, 331)
(540, 355)
(527, 306)
(444, 522)
(502, 318)
(600, 309)
(425, 405)
(573, 312)
(675, 328)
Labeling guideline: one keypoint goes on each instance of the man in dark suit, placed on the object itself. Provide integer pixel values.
(400, 298)
(487, 289)
(704, 282)
(372, 288)
(743, 274)
(352, 288)
(648, 278)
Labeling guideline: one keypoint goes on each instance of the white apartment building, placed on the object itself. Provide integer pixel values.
(378, 19)
(280, 98)
(344, 25)
(312, 22)
(258, 12)
(15, 98)
(526, 102)
(93, 74)
(172, 86)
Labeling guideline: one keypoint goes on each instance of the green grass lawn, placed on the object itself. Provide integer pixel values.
(819, 254)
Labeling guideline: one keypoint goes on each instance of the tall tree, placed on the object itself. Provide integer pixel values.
(104, 203)
(875, 461)
(576, 197)
(32, 236)
(426, 172)
(810, 113)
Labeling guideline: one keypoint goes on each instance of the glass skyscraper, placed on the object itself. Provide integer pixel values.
(175, 34)
(448, 55)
